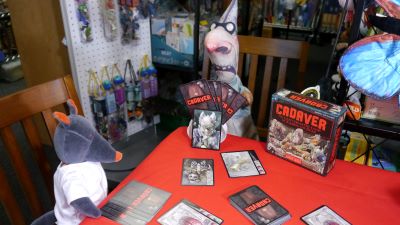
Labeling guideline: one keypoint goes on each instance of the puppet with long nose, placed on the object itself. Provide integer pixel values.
(222, 46)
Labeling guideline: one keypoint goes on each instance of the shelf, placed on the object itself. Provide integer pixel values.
(375, 128)
(292, 27)
(174, 67)
(9, 59)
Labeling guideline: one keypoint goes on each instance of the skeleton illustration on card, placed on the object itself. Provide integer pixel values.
(206, 132)
(198, 172)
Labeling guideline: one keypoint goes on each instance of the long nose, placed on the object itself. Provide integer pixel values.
(214, 43)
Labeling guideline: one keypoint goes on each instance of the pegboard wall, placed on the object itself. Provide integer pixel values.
(99, 52)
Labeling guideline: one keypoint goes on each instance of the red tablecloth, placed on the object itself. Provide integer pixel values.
(361, 194)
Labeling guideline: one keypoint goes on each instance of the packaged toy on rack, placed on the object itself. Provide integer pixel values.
(128, 17)
(172, 34)
(109, 19)
(84, 20)
(148, 77)
(111, 106)
(298, 13)
(133, 93)
(98, 103)
(120, 99)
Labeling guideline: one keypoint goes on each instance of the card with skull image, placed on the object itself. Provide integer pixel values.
(197, 172)
(206, 132)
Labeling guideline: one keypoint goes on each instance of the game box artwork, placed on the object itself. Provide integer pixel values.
(304, 130)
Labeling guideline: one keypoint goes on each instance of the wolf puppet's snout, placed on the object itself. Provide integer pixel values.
(223, 48)
(118, 156)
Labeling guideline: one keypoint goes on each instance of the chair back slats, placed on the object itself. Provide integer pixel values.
(240, 65)
(282, 73)
(21, 107)
(264, 98)
(253, 73)
(72, 93)
(31, 101)
(32, 135)
(24, 177)
(50, 121)
(12, 209)
(271, 46)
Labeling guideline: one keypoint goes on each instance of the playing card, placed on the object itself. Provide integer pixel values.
(227, 96)
(198, 172)
(213, 93)
(206, 132)
(197, 95)
(238, 102)
(322, 216)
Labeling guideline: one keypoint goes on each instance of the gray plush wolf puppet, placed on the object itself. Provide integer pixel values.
(80, 183)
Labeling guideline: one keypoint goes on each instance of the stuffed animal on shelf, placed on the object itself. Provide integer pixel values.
(223, 49)
(80, 183)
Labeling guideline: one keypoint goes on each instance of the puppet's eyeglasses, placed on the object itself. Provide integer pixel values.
(229, 26)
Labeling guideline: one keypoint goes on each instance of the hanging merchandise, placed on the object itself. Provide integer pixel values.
(120, 99)
(84, 20)
(146, 8)
(148, 76)
(119, 87)
(153, 81)
(109, 19)
(133, 92)
(114, 133)
(128, 17)
(111, 104)
(98, 103)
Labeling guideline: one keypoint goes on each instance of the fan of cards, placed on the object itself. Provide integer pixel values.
(214, 96)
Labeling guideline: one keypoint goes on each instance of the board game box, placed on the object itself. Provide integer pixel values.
(304, 130)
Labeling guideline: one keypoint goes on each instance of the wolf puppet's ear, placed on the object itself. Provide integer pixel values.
(73, 110)
(62, 118)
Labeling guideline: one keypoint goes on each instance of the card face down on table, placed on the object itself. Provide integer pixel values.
(259, 207)
(136, 203)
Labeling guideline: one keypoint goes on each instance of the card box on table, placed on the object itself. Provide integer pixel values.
(304, 130)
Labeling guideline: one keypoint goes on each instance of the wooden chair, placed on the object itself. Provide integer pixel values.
(271, 48)
(20, 107)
